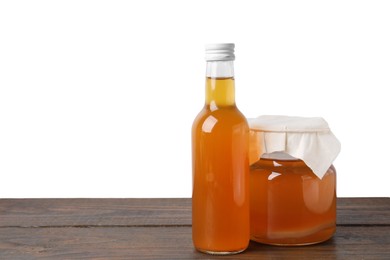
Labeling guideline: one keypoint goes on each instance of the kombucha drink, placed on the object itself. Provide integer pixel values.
(220, 139)
(289, 204)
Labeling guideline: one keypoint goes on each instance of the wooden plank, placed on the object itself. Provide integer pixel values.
(175, 243)
(94, 212)
(363, 211)
(145, 212)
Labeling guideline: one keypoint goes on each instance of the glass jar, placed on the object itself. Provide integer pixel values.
(289, 204)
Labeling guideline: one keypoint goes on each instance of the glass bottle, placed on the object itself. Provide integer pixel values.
(220, 162)
(289, 204)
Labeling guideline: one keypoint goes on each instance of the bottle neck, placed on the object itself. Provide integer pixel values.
(220, 89)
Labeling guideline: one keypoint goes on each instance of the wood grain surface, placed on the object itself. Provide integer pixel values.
(161, 229)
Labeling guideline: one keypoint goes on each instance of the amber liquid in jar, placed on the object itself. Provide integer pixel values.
(289, 204)
(220, 200)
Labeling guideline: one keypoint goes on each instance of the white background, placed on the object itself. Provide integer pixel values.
(97, 98)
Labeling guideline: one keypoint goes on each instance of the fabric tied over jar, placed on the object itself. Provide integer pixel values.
(307, 138)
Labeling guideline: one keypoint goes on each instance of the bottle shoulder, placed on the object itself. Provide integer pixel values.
(227, 117)
(231, 113)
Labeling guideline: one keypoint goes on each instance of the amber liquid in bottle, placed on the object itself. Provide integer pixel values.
(220, 200)
(289, 204)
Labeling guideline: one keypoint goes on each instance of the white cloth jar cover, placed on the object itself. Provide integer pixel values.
(305, 138)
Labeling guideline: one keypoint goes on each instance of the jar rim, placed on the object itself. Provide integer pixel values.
(279, 156)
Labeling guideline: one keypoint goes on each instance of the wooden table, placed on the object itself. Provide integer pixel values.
(161, 229)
